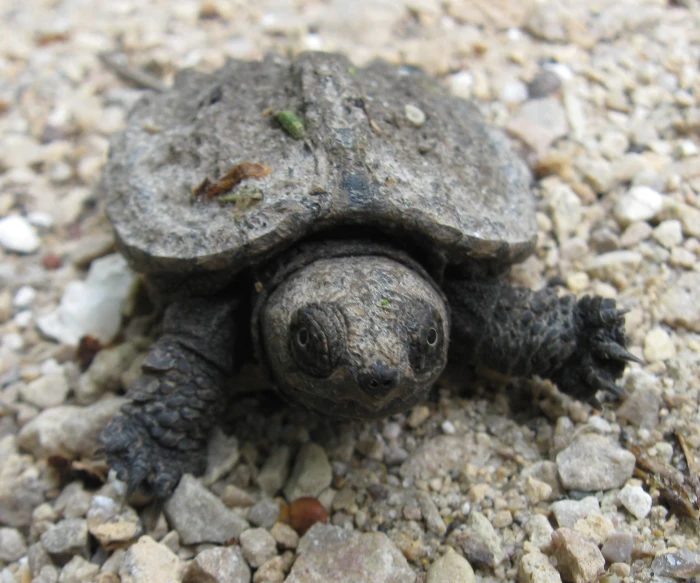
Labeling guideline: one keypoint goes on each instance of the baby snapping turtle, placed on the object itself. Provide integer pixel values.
(386, 212)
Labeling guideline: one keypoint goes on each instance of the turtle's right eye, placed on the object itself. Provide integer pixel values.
(317, 339)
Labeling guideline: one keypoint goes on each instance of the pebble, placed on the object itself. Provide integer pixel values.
(451, 567)
(682, 564)
(539, 531)
(578, 559)
(272, 571)
(430, 513)
(47, 391)
(311, 473)
(105, 372)
(93, 306)
(679, 306)
(618, 548)
(568, 512)
(593, 462)
(218, 565)
(12, 545)
(639, 203)
(635, 233)
(113, 524)
(222, 456)
(258, 546)
(419, 414)
(264, 513)
(285, 536)
(513, 91)
(330, 553)
(536, 568)
(608, 265)
(441, 455)
(636, 500)
(67, 538)
(658, 345)
(18, 235)
(461, 84)
(68, 430)
(275, 470)
(595, 527)
(565, 208)
(539, 123)
(641, 407)
(24, 297)
(79, 570)
(414, 115)
(478, 540)
(199, 516)
(669, 233)
(21, 489)
(543, 84)
(235, 496)
(73, 501)
(150, 562)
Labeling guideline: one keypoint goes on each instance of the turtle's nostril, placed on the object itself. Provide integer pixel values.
(378, 379)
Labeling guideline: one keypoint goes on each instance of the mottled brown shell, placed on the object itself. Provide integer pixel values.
(448, 182)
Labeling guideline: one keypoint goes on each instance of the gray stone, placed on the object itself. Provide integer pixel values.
(93, 306)
(568, 512)
(636, 500)
(18, 235)
(112, 523)
(218, 565)
(618, 548)
(578, 559)
(641, 407)
(593, 462)
(66, 538)
(536, 568)
(683, 564)
(222, 456)
(258, 546)
(78, 570)
(311, 473)
(430, 513)
(538, 123)
(539, 531)
(150, 562)
(285, 536)
(264, 513)
(37, 558)
(543, 84)
(199, 516)
(104, 374)
(565, 207)
(679, 306)
(73, 501)
(441, 455)
(451, 567)
(21, 490)
(330, 553)
(46, 391)
(275, 470)
(12, 545)
(478, 541)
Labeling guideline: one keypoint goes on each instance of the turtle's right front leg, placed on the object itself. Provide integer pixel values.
(162, 433)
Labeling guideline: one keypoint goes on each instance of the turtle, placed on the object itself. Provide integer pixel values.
(347, 228)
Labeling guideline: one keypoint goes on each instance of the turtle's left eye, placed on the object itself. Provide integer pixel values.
(425, 333)
(317, 339)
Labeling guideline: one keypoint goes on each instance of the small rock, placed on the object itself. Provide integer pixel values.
(565, 207)
(311, 473)
(112, 523)
(635, 233)
(21, 490)
(608, 265)
(683, 564)
(636, 500)
(478, 540)
(218, 565)
(92, 307)
(73, 501)
(578, 559)
(12, 545)
(669, 233)
(258, 546)
(568, 512)
(199, 516)
(68, 430)
(66, 538)
(639, 203)
(150, 562)
(46, 391)
(641, 407)
(419, 414)
(618, 548)
(430, 513)
(595, 527)
(543, 84)
(275, 470)
(105, 371)
(414, 115)
(441, 455)
(513, 91)
(598, 173)
(330, 553)
(536, 568)
(461, 84)
(79, 570)
(451, 567)
(539, 123)
(24, 297)
(235, 496)
(539, 530)
(285, 536)
(18, 235)
(593, 462)
(658, 345)
(264, 513)
(680, 305)
(222, 456)
(272, 571)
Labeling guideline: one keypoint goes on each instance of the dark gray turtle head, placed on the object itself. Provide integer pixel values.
(359, 337)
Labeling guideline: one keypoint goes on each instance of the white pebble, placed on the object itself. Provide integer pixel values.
(658, 345)
(514, 34)
(513, 91)
(636, 500)
(13, 341)
(23, 319)
(461, 84)
(313, 42)
(18, 235)
(39, 219)
(669, 233)
(24, 297)
(639, 203)
(448, 427)
(414, 115)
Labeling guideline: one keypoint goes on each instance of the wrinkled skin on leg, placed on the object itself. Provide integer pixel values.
(162, 433)
(579, 345)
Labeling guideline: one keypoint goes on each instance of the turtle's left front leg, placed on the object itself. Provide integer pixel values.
(578, 344)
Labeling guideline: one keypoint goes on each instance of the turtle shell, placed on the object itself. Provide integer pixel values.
(229, 168)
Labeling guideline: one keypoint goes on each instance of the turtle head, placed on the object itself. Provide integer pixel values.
(360, 336)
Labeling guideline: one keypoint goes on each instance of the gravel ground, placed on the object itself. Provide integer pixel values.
(602, 99)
